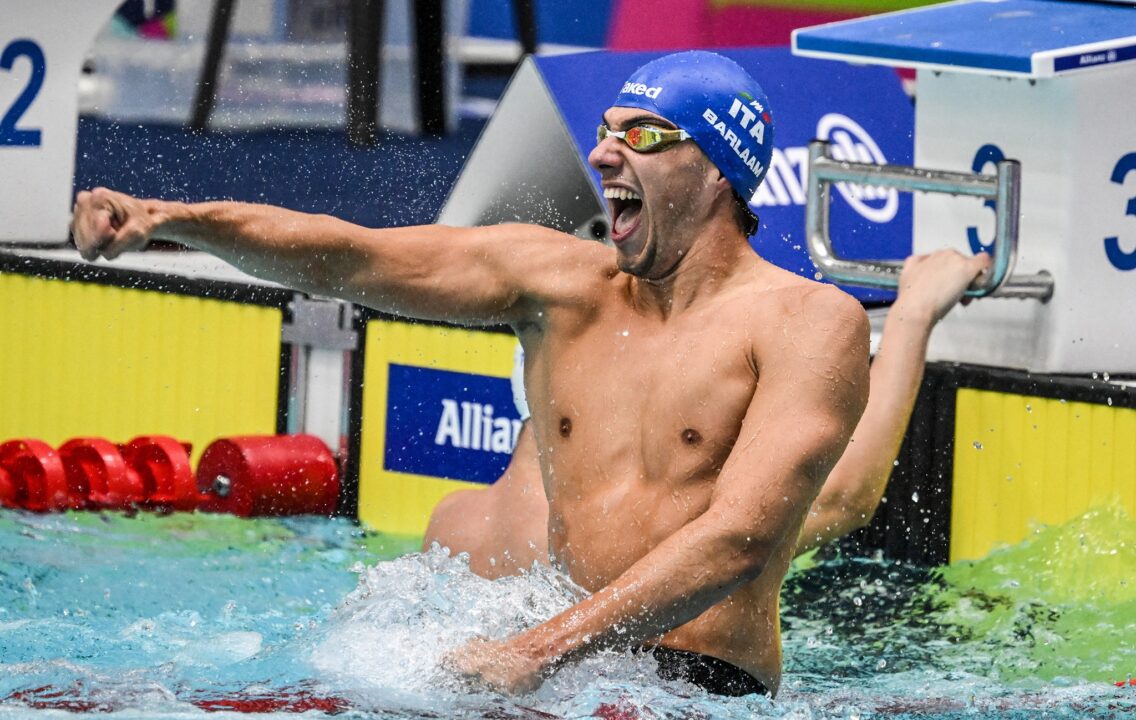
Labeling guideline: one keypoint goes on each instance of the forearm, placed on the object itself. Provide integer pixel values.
(314, 253)
(681, 578)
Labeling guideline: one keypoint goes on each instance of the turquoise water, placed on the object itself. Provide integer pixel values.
(156, 617)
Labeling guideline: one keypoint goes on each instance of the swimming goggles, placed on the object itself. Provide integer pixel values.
(643, 138)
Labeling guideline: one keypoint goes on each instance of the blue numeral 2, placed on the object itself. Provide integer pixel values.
(9, 133)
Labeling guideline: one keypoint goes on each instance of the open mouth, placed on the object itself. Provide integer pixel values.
(625, 206)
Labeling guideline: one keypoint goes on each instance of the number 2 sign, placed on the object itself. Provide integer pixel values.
(9, 133)
(42, 45)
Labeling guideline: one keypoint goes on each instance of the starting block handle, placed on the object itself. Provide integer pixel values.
(1003, 189)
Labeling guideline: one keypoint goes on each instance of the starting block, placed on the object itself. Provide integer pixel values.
(1047, 83)
(531, 162)
(42, 45)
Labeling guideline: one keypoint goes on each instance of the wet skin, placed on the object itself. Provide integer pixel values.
(504, 528)
(641, 394)
(688, 397)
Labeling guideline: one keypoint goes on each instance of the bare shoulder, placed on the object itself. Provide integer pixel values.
(831, 312)
(814, 314)
(813, 329)
(456, 521)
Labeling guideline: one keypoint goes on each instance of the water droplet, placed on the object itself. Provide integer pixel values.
(881, 664)
(977, 445)
(915, 496)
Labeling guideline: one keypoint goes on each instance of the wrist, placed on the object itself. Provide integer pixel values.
(169, 220)
(911, 314)
(547, 645)
(909, 327)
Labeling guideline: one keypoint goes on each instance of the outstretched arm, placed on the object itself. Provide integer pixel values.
(429, 272)
(811, 390)
(929, 287)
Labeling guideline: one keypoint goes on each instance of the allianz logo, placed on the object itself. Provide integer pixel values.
(473, 426)
(787, 179)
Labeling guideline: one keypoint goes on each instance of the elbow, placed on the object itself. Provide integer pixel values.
(748, 557)
(851, 512)
(859, 506)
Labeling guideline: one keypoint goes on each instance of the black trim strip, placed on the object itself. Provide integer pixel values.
(283, 388)
(941, 481)
(352, 465)
(367, 314)
(1074, 388)
(131, 279)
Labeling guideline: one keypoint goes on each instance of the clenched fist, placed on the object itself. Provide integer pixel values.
(109, 223)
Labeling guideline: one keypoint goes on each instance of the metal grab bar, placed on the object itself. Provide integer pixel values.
(1002, 188)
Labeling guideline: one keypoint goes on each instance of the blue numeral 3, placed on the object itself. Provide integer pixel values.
(986, 155)
(1116, 256)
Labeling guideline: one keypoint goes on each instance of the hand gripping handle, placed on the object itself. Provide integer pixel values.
(1003, 188)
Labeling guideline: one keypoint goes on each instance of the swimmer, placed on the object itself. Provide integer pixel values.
(689, 398)
(504, 528)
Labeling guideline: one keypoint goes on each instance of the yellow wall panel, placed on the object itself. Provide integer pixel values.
(396, 502)
(1023, 461)
(89, 359)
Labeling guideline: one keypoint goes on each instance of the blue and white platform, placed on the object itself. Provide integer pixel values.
(1048, 83)
(1030, 38)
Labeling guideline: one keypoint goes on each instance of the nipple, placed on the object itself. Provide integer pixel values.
(565, 427)
(690, 436)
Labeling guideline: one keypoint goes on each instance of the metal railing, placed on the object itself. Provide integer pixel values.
(1003, 188)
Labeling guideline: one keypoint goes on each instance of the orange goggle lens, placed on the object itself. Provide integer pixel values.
(643, 138)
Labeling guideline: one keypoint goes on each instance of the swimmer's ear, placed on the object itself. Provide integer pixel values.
(721, 181)
(723, 185)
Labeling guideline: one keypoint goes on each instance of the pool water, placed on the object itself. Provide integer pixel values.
(188, 616)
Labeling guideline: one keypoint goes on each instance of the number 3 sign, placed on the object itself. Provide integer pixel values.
(42, 45)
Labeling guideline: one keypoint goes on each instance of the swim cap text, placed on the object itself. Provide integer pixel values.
(734, 141)
(630, 88)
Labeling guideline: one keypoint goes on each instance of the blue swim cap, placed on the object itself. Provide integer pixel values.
(717, 102)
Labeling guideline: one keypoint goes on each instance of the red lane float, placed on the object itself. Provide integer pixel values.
(97, 466)
(36, 480)
(245, 476)
(162, 467)
(268, 475)
(9, 493)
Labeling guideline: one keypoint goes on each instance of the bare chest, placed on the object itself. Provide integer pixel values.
(642, 402)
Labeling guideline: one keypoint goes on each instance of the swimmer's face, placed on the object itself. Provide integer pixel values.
(657, 199)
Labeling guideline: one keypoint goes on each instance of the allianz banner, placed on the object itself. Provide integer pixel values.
(862, 111)
(453, 425)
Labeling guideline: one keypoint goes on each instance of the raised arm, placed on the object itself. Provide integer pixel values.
(929, 287)
(813, 383)
(479, 275)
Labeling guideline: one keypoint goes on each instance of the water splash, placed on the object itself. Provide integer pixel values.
(160, 617)
(1060, 605)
